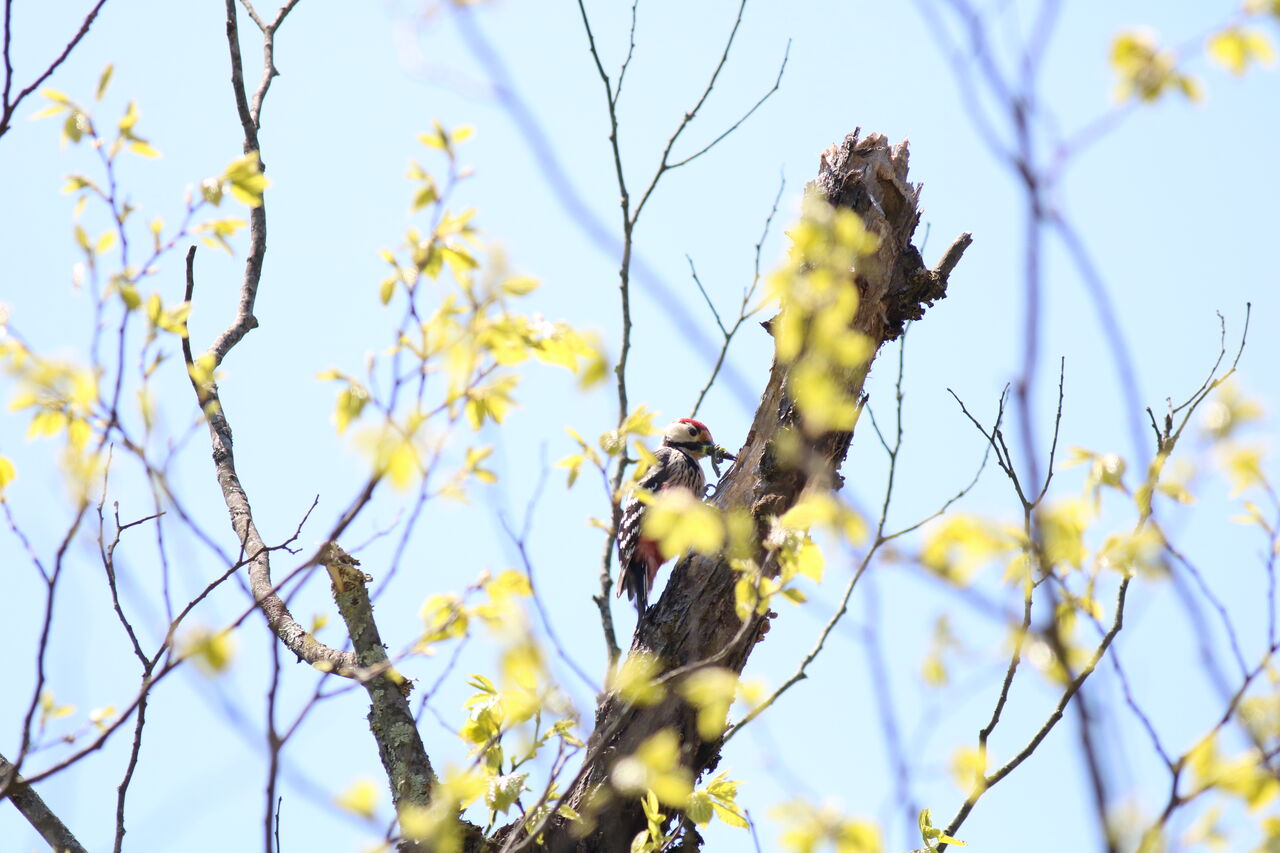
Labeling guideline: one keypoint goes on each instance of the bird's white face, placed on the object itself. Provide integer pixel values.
(689, 435)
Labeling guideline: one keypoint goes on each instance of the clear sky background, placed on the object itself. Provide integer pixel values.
(1178, 206)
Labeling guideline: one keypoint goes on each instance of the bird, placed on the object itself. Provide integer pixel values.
(684, 443)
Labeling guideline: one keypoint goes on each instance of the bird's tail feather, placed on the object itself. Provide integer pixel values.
(635, 580)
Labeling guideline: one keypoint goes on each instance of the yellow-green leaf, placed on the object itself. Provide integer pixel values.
(680, 522)
(519, 286)
(634, 680)
(143, 149)
(48, 111)
(968, 768)
(360, 799)
(103, 80)
(1235, 48)
(711, 691)
(351, 402)
(211, 650)
(245, 180)
(426, 194)
(1244, 468)
(129, 119)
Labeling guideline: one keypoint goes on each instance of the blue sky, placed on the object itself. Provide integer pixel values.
(1178, 206)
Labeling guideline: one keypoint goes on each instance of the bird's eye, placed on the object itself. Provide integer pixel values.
(692, 431)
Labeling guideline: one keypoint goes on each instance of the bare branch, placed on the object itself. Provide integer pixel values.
(519, 541)
(664, 164)
(33, 808)
(882, 688)
(244, 321)
(987, 782)
(693, 271)
(404, 758)
(1109, 320)
(298, 640)
(7, 106)
(1057, 424)
(777, 84)
(744, 311)
(135, 749)
(631, 49)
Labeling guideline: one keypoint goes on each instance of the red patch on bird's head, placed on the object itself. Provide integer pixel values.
(699, 424)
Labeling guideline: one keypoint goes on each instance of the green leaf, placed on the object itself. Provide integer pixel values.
(634, 680)
(503, 791)
(655, 768)
(519, 286)
(245, 179)
(968, 768)
(574, 463)
(130, 296)
(211, 190)
(1244, 468)
(103, 80)
(426, 194)
(73, 127)
(1235, 48)
(129, 119)
(211, 650)
(143, 149)
(1145, 71)
(699, 808)
(679, 521)
(7, 472)
(459, 261)
(51, 710)
(360, 799)
(730, 816)
(351, 402)
(50, 110)
(711, 691)
(437, 140)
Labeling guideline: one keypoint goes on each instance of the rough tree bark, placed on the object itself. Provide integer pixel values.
(390, 719)
(695, 620)
(32, 807)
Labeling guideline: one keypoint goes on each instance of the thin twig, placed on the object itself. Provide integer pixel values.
(693, 271)
(631, 49)
(8, 107)
(777, 84)
(987, 782)
(1109, 320)
(885, 708)
(1057, 424)
(519, 541)
(744, 309)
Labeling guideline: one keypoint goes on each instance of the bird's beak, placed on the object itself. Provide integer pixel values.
(718, 454)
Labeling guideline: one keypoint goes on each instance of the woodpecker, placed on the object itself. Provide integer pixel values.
(684, 442)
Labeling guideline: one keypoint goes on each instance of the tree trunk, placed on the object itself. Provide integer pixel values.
(695, 619)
